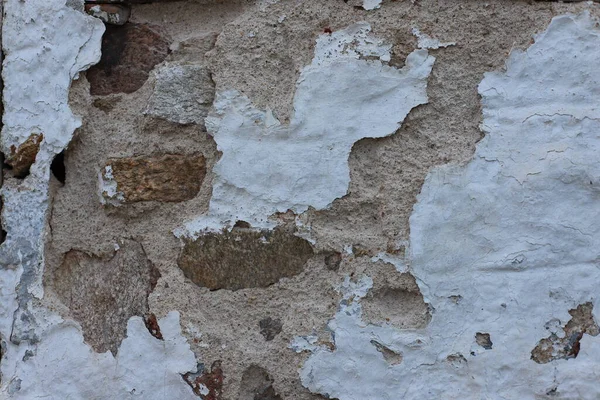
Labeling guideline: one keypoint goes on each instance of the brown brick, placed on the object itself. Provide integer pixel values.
(169, 178)
(129, 53)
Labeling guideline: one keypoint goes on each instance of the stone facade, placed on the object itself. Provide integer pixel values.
(279, 199)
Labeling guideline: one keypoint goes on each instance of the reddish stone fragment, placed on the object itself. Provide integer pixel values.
(211, 381)
(22, 158)
(152, 325)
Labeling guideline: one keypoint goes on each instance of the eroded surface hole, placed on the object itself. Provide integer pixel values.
(103, 293)
(58, 167)
(257, 384)
(270, 328)
(484, 340)
(242, 225)
(390, 356)
(401, 307)
(456, 360)
(151, 323)
(564, 343)
(3, 233)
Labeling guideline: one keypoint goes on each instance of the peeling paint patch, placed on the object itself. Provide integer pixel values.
(169, 177)
(367, 353)
(500, 246)
(50, 57)
(49, 43)
(427, 42)
(208, 385)
(340, 98)
(371, 4)
(144, 367)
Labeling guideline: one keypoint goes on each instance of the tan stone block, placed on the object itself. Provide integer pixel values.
(168, 178)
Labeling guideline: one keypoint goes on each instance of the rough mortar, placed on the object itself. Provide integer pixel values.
(355, 276)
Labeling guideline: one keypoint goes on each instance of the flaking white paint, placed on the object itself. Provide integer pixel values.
(504, 245)
(427, 42)
(64, 367)
(108, 192)
(267, 167)
(371, 4)
(41, 59)
(46, 44)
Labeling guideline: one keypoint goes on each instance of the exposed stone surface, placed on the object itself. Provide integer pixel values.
(243, 258)
(183, 93)
(261, 49)
(102, 294)
(565, 342)
(193, 49)
(21, 158)
(484, 340)
(169, 177)
(129, 52)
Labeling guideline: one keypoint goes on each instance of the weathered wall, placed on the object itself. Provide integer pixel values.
(300, 199)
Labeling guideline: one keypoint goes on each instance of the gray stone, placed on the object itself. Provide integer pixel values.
(183, 93)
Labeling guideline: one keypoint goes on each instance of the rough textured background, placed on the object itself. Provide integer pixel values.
(257, 308)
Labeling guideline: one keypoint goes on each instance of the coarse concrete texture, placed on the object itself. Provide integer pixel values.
(250, 204)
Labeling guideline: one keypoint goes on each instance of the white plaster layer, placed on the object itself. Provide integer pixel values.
(371, 4)
(46, 45)
(427, 42)
(267, 167)
(37, 46)
(117, 15)
(504, 245)
(63, 367)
